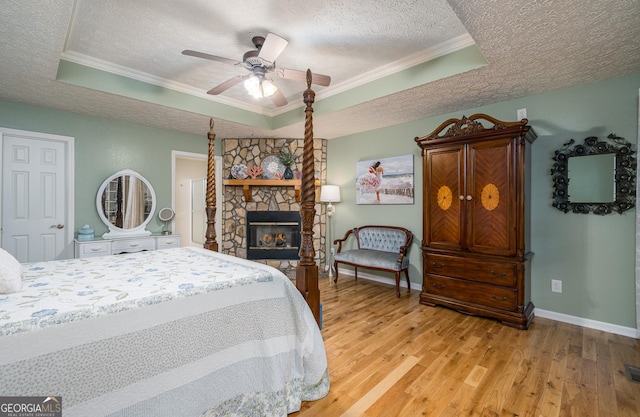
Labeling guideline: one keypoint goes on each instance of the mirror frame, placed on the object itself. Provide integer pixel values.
(625, 175)
(166, 219)
(118, 232)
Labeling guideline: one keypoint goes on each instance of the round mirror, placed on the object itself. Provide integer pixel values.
(166, 214)
(126, 203)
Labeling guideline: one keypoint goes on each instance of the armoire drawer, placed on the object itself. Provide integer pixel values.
(476, 293)
(496, 273)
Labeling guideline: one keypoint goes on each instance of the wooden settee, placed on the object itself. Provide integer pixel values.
(382, 248)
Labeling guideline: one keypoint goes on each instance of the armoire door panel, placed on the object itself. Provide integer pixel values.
(491, 209)
(444, 186)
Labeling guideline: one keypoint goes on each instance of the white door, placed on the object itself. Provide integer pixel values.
(198, 212)
(37, 199)
(183, 172)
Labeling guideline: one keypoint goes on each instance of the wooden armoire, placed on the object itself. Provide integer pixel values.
(476, 218)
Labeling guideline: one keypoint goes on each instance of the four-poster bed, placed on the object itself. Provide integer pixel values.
(169, 332)
(307, 269)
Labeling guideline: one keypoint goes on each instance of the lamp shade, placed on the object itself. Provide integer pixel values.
(330, 194)
(252, 85)
(268, 88)
(259, 87)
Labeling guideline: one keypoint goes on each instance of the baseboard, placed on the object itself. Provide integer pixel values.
(552, 315)
(590, 324)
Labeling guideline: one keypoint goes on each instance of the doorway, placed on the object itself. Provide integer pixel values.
(189, 171)
(37, 201)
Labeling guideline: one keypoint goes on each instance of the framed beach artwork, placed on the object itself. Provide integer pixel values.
(385, 181)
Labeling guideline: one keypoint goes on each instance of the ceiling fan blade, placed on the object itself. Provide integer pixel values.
(278, 99)
(291, 74)
(210, 57)
(227, 84)
(272, 47)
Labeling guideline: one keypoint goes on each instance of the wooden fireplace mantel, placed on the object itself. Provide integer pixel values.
(248, 183)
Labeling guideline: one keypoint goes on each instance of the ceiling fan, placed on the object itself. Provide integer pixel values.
(261, 62)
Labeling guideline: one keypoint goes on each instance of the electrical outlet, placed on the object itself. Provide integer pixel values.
(556, 285)
(521, 114)
(333, 251)
(326, 268)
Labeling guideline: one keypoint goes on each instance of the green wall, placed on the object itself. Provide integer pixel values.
(103, 147)
(594, 256)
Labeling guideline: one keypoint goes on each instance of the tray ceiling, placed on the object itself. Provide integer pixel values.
(390, 61)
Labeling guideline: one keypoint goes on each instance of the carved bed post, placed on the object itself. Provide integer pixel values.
(210, 235)
(307, 270)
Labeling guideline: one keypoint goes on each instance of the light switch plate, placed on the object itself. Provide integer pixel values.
(522, 114)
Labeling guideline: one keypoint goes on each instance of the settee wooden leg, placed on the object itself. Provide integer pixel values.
(406, 272)
(355, 271)
(335, 266)
(397, 284)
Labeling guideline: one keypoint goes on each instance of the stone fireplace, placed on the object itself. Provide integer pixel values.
(274, 198)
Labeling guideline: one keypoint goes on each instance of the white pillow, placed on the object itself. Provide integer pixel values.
(10, 273)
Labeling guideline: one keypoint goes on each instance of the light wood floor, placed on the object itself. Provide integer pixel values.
(396, 357)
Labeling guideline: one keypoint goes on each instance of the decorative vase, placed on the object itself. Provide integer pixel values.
(288, 173)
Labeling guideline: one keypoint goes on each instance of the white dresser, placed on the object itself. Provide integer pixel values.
(102, 247)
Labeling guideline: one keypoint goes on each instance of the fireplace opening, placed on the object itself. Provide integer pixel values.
(273, 235)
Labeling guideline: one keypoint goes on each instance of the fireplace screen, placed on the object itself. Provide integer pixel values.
(273, 234)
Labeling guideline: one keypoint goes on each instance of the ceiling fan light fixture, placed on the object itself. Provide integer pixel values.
(268, 88)
(252, 85)
(260, 62)
(259, 87)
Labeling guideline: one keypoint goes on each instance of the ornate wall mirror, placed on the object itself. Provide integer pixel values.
(126, 203)
(595, 177)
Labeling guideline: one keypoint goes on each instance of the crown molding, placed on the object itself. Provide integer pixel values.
(442, 49)
(144, 77)
(445, 48)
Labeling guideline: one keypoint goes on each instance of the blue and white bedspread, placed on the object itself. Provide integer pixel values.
(175, 332)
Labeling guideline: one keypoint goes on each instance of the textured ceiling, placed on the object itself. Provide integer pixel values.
(529, 46)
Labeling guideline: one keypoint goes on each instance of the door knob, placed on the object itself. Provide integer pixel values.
(56, 226)
(469, 197)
